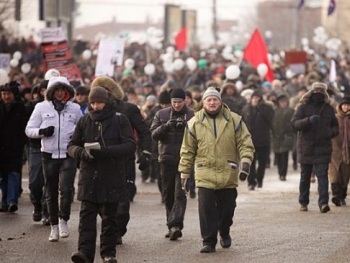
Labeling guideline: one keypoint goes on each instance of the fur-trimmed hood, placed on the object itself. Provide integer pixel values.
(59, 82)
(110, 84)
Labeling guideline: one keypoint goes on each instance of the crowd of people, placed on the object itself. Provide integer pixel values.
(194, 132)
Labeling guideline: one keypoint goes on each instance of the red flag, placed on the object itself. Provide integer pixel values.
(256, 53)
(181, 39)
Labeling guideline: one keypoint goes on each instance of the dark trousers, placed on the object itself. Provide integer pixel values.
(321, 171)
(256, 175)
(36, 180)
(174, 197)
(123, 214)
(88, 229)
(216, 210)
(282, 163)
(339, 186)
(59, 177)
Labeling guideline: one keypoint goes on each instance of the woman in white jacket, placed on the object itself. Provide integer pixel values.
(54, 121)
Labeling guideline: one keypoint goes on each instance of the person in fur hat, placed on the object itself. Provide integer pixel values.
(339, 168)
(139, 126)
(316, 124)
(53, 120)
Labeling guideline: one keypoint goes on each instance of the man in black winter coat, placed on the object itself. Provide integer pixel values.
(12, 141)
(102, 178)
(144, 143)
(258, 116)
(168, 128)
(316, 123)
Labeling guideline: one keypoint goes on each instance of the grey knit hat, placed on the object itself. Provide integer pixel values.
(211, 91)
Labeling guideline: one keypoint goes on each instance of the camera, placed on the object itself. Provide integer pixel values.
(180, 124)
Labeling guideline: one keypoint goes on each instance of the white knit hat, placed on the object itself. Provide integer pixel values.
(211, 91)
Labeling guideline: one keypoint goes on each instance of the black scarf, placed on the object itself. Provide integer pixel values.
(100, 115)
(59, 105)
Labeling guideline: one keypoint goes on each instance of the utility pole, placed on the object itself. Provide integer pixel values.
(215, 25)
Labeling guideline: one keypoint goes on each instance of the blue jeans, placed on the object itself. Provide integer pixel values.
(321, 171)
(9, 183)
(59, 177)
(36, 178)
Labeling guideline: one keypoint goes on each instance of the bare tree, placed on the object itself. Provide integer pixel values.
(7, 10)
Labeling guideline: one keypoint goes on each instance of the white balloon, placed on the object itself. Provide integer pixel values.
(239, 85)
(51, 73)
(17, 55)
(14, 62)
(158, 45)
(269, 57)
(191, 63)
(25, 68)
(170, 50)
(202, 54)
(150, 69)
(167, 57)
(151, 30)
(262, 69)
(86, 54)
(276, 58)
(238, 53)
(129, 63)
(289, 74)
(95, 52)
(305, 41)
(178, 64)
(232, 72)
(4, 77)
(168, 66)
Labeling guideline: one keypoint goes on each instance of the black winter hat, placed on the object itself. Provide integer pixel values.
(345, 100)
(82, 90)
(178, 94)
(98, 94)
(13, 87)
(257, 93)
(164, 97)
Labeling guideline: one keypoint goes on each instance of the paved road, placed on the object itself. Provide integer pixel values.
(268, 227)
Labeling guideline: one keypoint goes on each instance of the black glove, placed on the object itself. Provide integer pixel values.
(244, 172)
(47, 132)
(170, 124)
(314, 119)
(144, 160)
(85, 156)
(98, 153)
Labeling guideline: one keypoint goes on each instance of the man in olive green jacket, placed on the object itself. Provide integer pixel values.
(218, 145)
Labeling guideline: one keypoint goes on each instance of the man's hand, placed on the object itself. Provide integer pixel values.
(144, 160)
(314, 119)
(85, 156)
(184, 185)
(170, 124)
(244, 172)
(47, 132)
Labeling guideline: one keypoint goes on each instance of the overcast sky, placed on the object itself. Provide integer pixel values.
(96, 11)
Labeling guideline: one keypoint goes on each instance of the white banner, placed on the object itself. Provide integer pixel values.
(52, 34)
(110, 54)
(5, 61)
